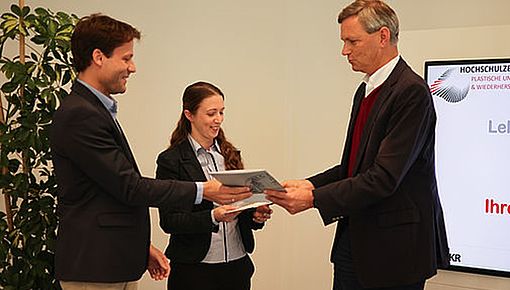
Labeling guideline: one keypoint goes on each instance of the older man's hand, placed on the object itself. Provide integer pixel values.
(294, 199)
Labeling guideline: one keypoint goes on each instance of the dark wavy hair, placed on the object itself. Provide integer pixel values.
(101, 32)
(192, 97)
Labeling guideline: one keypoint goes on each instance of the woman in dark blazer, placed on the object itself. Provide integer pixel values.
(208, 247)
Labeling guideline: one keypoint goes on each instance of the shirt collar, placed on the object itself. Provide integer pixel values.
(380, 75)
(109, 103)
(197, 147)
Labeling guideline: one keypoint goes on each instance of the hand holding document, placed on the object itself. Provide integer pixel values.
(299, 183)
(221, 194)
(257, 180)
(297, 197)
(225, 213)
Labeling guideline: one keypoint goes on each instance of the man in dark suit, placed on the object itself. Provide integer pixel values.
(383, 194)
(103, 239)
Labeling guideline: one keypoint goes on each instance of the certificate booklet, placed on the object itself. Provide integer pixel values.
(257, 179)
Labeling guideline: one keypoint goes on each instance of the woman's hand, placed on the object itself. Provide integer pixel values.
(222, 214)
(262, 214)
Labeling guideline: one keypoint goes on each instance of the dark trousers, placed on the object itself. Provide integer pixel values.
(344, 275)
(235, 275)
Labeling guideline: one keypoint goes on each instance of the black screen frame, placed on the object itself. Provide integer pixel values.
(429, 63)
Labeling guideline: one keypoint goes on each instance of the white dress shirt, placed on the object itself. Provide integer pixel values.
(380, 75)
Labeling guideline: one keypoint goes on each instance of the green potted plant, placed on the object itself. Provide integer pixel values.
(36, 79)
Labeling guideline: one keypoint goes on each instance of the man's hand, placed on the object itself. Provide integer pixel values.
(300, 183)
(158, 266)
(262, 214)
(220, 194)
(294, 200)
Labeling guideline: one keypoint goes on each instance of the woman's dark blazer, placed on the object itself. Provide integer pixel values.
(190, 233)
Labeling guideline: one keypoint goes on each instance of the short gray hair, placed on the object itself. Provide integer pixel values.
(373, 15)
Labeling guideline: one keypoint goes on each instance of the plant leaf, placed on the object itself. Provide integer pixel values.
(15, 9)
(9, 87)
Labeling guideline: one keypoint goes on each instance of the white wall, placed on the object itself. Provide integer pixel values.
(288, 97)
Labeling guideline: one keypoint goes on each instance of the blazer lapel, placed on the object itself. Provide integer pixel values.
(358, 97)
(386, 90)
(190, 162)
(118, 135)
(192, 167)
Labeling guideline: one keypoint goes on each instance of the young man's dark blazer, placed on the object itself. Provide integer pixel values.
(395, 220)
(190, 233)
(104, 227)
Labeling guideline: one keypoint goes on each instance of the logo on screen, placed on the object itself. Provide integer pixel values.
(451, 86)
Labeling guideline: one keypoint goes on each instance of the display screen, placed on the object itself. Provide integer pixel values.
(472, 101)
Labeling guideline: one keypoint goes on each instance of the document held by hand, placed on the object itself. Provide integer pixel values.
(257, 179)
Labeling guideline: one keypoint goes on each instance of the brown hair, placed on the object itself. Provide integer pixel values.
(101, 32)
(192, 97)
